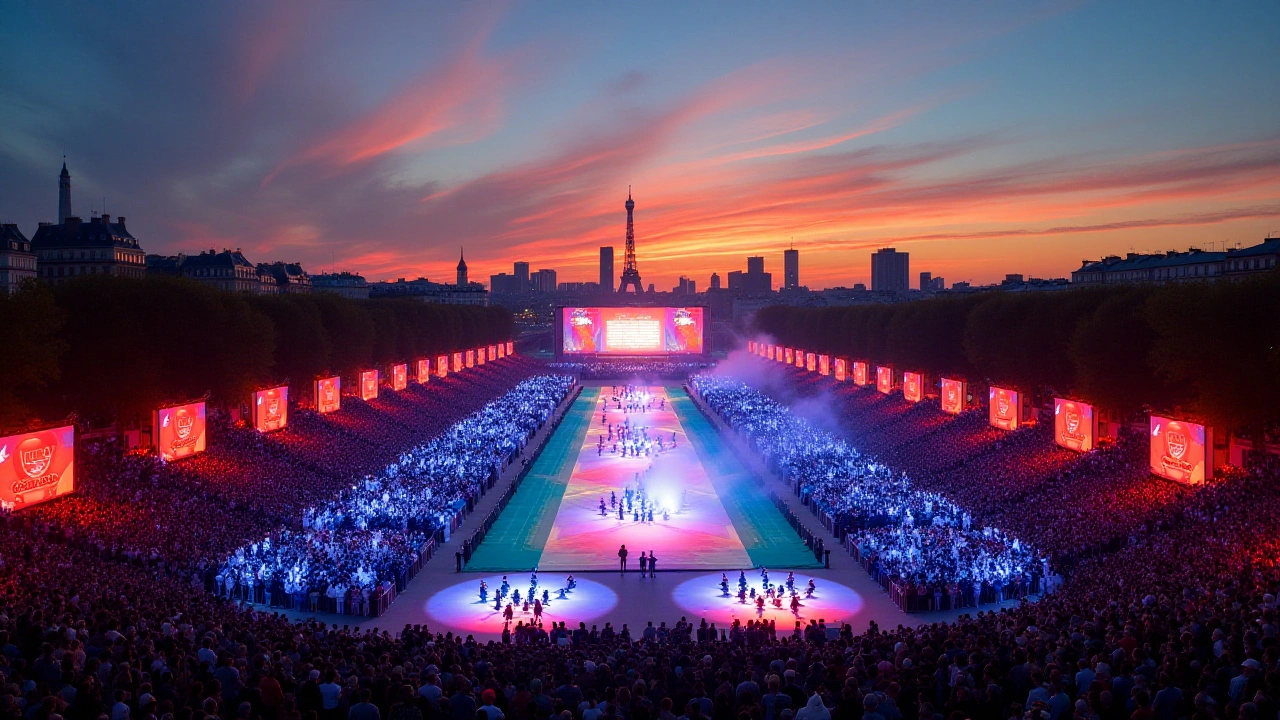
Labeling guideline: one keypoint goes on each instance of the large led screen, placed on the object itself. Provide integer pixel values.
(457, 362)
(511, 348)
(884, 379)
(471, 358)
(810, 361)
(632, 331)
(493, 353)
(179, 431)
(860, 374)
(368, 384)
(913, 386)
(480, 355)
(1075, 425)
(399, 377)
(952, 396)
(800, 355)
(824, 364)
(328, 394)
(789, 356)
(1005, 411)
(442, 366)
(423, 371)
(842, 369)
(1181, 451)
(502, 350)
(271, 409)
(37, 466)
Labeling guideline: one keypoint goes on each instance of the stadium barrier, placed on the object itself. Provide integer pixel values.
(477, 537)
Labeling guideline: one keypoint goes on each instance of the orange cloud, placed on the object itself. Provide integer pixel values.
(457, 103)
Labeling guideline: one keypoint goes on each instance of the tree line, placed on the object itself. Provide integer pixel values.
(110, 348)
(1207, 350)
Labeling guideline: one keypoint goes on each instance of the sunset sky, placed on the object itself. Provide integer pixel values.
(379, 137)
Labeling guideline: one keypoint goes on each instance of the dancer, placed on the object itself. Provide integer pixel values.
(622, 552)
(653, 561)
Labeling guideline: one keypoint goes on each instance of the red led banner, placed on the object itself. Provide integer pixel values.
(328, 395)
(179, 432)
(368, 384)
(1006, 408)
(271, 409)
(884, 379)
(37, 466)
(1075, 425)
(953, 392)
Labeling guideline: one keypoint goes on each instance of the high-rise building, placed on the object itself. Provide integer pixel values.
(754, 281)
(926, 281)
(503, 284)
(715, 281)
(543, 281)
(521, 273)
(890, 271)
(687, 286)
(606, 269)
(791, 269)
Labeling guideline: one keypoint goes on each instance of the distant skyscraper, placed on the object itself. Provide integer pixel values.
(890, 271)
(791, 269)
(544, 281)
(64, 194)
(926, 281)
(606, 269)
(462, 270)
(715, 281)
(521, 273)
(754, 281)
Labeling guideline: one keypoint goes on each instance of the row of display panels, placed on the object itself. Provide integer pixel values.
(39, 466)
(1180, 450)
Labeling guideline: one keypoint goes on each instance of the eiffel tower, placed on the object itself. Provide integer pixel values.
(630, 275)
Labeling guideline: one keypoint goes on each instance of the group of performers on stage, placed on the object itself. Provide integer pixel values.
(769, 594)
(530, 603)
(632, 440)
(637, 503)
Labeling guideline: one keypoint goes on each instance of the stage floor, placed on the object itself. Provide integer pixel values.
(720, 518)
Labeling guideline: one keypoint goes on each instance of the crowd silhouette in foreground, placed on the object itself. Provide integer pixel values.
(101, 619)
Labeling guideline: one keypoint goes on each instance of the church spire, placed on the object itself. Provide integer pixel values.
(64, 193)
(462, 269)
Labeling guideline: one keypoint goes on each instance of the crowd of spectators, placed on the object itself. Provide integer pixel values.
(1183, 623)
(362, 541)
(1067, 504)
(1180, 621)
(188, 516)
(913, 537)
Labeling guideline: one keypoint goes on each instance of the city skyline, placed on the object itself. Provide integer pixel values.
(1012, 138)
